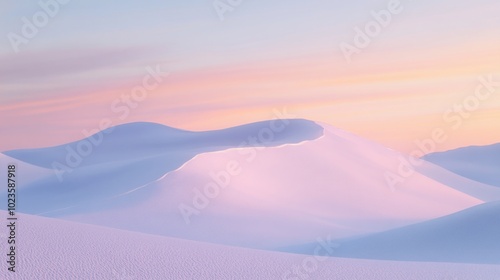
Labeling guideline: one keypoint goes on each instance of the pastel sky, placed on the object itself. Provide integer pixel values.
(264, 56)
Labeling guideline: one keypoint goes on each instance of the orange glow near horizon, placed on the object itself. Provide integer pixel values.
(392, 97)
(392, 108)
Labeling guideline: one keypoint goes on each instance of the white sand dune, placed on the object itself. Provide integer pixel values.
(283, 195)
(53, 249)
(307, 180)
(482, 191)
(142, 140)
(469, 236)
(479, 163)
(129, 156)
